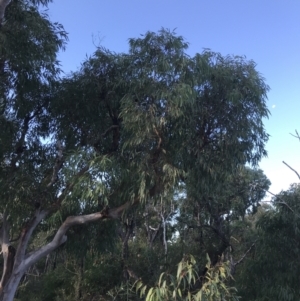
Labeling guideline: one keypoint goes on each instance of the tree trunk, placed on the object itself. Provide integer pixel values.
(8, 252)
(11, 286)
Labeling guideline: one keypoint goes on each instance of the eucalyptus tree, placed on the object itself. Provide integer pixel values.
(272, 269)
(123, 131)
(155, 121)
(28, 68)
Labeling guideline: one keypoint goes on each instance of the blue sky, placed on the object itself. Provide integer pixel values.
(266, 31)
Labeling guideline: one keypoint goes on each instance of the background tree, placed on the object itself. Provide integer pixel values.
(272, 269)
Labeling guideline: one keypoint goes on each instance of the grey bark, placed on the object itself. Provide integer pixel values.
(24, 261)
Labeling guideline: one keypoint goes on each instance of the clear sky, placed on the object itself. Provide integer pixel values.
(266, 31)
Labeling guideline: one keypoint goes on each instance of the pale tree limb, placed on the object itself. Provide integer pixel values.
(60, 236)
(24, 262)
(292, 169)
(26, 235)
(8, 252)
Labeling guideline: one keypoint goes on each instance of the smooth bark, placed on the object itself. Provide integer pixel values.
(8, 253)
(24, 261)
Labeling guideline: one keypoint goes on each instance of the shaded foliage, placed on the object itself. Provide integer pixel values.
(273, 268)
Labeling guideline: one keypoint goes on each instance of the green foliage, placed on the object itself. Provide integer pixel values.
(162, 117)
(271, 273)
(155, 127)
(185, 286)
(28, 68)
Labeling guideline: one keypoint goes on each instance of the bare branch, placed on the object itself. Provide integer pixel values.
(276, 196)
(245, 254)
(153, 229)
(296, 136)
(292, 169)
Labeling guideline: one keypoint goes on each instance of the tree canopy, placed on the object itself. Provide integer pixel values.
(126, 167)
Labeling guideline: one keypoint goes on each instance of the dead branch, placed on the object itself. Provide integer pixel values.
(292, 169)
(296, 136)
(276, 196)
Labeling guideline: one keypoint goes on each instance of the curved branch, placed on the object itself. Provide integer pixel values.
(60, 236)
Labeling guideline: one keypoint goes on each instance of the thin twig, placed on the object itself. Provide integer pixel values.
(276, 196)
(243, 257)
(296, 136)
